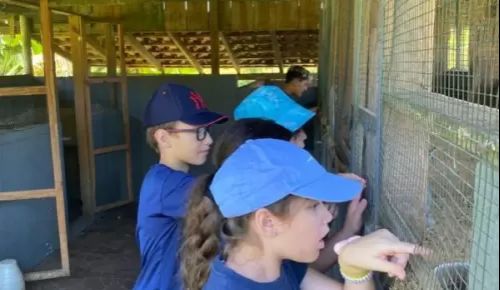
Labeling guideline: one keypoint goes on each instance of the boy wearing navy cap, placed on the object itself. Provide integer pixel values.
(177, 122)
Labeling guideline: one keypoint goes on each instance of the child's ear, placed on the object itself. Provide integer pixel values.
(267, 223)
(163, 138)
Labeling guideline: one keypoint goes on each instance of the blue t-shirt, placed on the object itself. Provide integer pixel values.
(162, 205)
(223, 278)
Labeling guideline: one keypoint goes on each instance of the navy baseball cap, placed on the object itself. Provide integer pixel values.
(172, 102)
(271, 103)
(263, 171)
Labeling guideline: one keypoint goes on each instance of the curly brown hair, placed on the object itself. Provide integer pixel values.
(205, 228)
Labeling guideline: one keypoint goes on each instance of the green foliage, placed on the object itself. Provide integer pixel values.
(11, 55)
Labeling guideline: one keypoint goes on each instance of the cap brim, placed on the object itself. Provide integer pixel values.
(271, 103)
(205, 118)
(331, 188)
(295, 118)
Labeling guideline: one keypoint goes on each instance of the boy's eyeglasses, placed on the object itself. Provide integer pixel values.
(201, 132)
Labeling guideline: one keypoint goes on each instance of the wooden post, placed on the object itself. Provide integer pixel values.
(12, 25)
(110, 50)
(25, 24)
(214, 36)
(82, 111)
(278, 59)
(125, 112)
(52, 103)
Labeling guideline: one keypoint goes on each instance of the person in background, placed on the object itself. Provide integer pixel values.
(297, 81)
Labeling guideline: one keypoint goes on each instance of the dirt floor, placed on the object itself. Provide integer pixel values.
(103, 257)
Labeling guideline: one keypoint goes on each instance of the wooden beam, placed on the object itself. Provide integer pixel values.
(97, 2)
(82, 112)
(104, 80)
(268, 76)
(28, 194)
(92, 42)
(115, 148)
(214, 37)
(277, 51)
(230, 52)
(23, 91)
(125, 111)
(26, 25)
(49, 69)
(143, 51)
(185, 52)
(44, 275)
(110, 50)
(33, 6)
(8, 10)
(12, 24)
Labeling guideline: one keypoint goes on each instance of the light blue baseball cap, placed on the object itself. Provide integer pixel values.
(271, 103)
(263, 171)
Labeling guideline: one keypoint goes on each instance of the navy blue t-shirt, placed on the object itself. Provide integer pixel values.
(222, 278)
(162, 205)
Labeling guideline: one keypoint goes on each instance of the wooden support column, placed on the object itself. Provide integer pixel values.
(110, 50)
(82, 112)
(12, 25)
(214, 36)
(277, 51)
(26, 26)
(52, 105)
(125, 111)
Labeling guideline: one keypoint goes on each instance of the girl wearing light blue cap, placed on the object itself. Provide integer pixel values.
(266, 204)
(242, 130)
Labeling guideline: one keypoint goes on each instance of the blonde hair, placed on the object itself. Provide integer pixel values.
(150, 134)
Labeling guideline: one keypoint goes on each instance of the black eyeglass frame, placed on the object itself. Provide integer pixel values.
(201, 132)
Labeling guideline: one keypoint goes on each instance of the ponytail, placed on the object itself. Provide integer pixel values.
(205, 227)
(201, 235)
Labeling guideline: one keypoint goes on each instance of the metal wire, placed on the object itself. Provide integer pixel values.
(438, 157)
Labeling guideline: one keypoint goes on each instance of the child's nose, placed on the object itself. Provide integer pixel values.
(208, 140)
(328, 217)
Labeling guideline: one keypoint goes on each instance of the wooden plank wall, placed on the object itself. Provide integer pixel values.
(248, 15)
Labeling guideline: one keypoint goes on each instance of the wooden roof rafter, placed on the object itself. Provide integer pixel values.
(146, 54)
(185, 52)
(230, 53)
(94, 44)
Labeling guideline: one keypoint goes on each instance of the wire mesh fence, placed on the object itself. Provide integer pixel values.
(425, 132)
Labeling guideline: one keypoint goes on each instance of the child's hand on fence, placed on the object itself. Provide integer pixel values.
(379, 251)
(354, 217)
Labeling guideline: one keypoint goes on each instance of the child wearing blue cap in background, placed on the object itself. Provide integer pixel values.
(266, 203)
(271, 103)
(177, 122)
